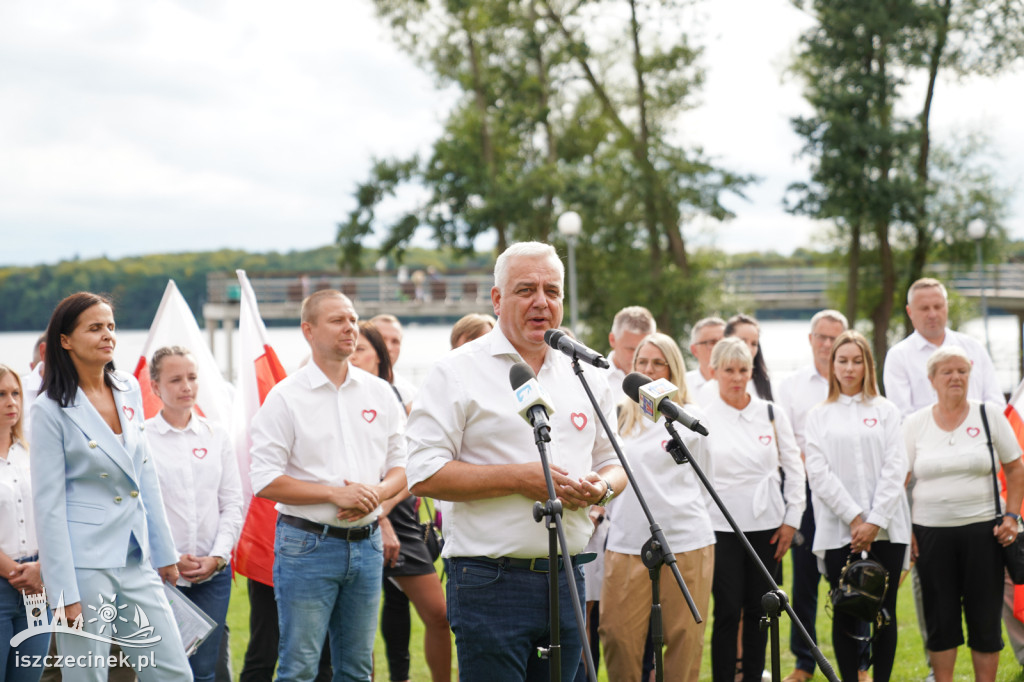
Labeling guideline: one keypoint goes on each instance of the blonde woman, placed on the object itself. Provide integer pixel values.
(676, 500)
(856, 465)
(19, 554)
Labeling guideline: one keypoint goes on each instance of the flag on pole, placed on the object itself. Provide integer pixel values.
(175, 325)
(1015, 414)
(259, 370)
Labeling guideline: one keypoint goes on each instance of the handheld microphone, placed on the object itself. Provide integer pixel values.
(532, 402)
(655, 396)
(559, 340)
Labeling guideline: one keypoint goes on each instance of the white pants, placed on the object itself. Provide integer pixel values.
(105, 590)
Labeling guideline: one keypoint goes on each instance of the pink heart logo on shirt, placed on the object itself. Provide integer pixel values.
(579, 420)
(973, 431)
(664, 445)
(369, 415)
(765, 440)
(128, 412)
(870, 422)
(199, 452)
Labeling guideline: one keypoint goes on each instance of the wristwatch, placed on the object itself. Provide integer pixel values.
(222, 563)
(609, 493)
(1018, 519)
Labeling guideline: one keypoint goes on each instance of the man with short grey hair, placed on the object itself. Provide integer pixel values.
(703, 337)
(630, 326)
(468, 445)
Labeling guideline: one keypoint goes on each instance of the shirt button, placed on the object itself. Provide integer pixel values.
(104, 475)
(135, 493)
(117, 499)
(92, 444)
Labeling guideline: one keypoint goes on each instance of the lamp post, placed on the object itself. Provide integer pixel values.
(569, 226)
(976, 230)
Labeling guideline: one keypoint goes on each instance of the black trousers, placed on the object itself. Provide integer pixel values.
(845, 628)
(738, 587)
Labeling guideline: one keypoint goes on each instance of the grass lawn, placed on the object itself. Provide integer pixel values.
(910, 664)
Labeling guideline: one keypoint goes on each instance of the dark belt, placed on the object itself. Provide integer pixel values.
(351, 534)
(539, 565)
(27, 559)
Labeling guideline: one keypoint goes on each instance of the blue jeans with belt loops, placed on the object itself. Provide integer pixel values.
(500, 616)
(326, 584)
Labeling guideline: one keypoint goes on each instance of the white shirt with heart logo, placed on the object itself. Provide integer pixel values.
(312, 431)
(856, 464)
(200, 485)
(951, 471)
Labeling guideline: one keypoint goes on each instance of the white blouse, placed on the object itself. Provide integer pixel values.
(746, 455)
(673, 492)
(200, 485)
(17, 518)
(952, 470)
(856, 464)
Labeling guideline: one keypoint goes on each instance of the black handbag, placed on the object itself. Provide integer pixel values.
(862, 587)
(431, 533)
(1013, 554)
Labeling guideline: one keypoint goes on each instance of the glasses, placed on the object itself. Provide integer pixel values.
(824, 337)
(709, 342)
(656, 364)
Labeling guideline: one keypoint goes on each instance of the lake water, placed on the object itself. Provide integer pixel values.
(784, 342)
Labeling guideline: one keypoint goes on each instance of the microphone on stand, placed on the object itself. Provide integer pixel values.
(655, 396)
(559, 340)
(532, 402)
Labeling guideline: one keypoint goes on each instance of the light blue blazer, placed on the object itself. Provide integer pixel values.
(91, 493)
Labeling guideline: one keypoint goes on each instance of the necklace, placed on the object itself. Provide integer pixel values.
(957, 420)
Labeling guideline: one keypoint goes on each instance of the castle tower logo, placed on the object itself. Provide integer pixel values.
(108, 617)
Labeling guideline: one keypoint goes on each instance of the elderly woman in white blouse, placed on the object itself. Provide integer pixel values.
(856, 466)
(959, 525)
(676, 500)
(19, 555)
(750, 441)
(202, 493)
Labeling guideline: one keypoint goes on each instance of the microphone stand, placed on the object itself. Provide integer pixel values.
(775, 599)
(656, 552)
(551, 512)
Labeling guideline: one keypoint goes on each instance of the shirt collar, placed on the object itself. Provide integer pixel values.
(844, 399)
(316, 377)
(500, 345)
(922, 343)
(163, 427)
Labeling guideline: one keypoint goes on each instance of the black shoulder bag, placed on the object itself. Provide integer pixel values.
(1013, 554)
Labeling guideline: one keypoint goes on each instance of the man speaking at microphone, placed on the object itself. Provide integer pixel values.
(467, 444)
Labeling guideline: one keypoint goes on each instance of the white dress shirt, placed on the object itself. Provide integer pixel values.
(673, 492)
(856, 464)
(746, 455)
(406, 389)
(797, 394)
(952, 471)
(906, 375)
(31, 384)
(615, 377)
(466, 411)
(312, 431)
(694, 382)
(200, 485)
(17, 518)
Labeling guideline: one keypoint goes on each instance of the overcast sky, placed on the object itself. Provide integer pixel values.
(134, 127)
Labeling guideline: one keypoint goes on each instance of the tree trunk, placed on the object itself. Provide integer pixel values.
(486, 145)
(853, 273)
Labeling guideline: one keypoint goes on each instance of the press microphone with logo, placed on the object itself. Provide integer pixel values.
(532, 402)
(656, 396)
(559, 340)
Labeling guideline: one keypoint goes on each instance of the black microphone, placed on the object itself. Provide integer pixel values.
(532, 401)
(559, 340)
(650, 395)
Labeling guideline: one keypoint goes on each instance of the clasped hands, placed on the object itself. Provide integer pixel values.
(573, 493)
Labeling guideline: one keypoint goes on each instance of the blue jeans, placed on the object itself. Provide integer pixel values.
(324, 583)
(500, 616)
(13, 620)
(212, 597)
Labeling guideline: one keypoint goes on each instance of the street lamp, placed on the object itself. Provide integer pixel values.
(569, 226)
(976, 230)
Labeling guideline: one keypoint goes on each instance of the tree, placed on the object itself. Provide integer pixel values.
(548, 120)
(854, 63)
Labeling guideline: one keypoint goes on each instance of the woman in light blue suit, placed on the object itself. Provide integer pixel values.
(99, 514)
